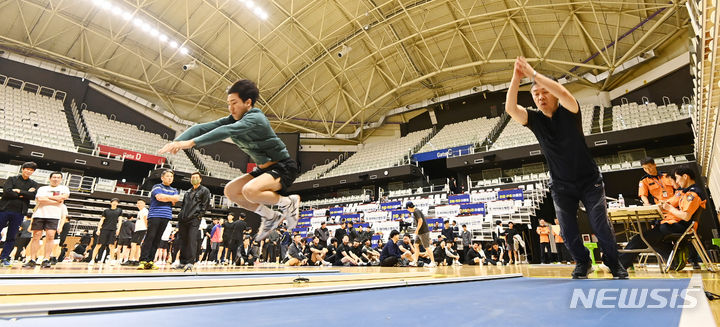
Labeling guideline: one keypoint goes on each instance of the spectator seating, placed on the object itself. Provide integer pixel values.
(514, 135)
(218, 168)
(463, 133)
(316, 172)
(632, 115)
(34, 119)
(103, 130)
(381, 155)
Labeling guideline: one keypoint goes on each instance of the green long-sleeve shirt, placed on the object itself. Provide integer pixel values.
(252, 134)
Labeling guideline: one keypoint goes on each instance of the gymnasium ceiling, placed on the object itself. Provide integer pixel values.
(402, 52)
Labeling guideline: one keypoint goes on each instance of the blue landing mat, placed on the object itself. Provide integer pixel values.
(503, 302)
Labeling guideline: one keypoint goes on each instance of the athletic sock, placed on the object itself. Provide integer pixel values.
(284, 201)
(264, 211)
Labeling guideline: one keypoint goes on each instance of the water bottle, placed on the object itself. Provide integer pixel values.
(621, 201)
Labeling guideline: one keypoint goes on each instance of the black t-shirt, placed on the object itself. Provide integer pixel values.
(418, 215)
(85, 239)
(357, 250)
(319, 246)
(563, 144)
(331, 250)
(405, 246)
(346, 248)
(239, 228)
(111, 218)
(126, 229)
(471, 254)
(228, 228)
(510, 234)
(492, 253)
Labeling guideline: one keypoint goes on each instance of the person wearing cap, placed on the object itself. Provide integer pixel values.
(422, 234)
(655, 187)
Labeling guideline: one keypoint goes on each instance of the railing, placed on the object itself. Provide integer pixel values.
(78, 121)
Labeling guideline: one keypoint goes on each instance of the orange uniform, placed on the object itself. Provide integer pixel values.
(687, 200)
(656, 188)
(558, 238)
(544, 232)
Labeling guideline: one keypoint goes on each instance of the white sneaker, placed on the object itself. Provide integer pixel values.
(326, 264)
(291, 213)
(267, 225)
(412, 264)
(432, 265)
(176, 265)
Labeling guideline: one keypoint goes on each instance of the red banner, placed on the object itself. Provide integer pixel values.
(131, 155)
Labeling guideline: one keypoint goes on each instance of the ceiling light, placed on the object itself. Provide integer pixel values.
(154, 32)
(126, 15)
(184, 50)
(163, 38)
(173, 44)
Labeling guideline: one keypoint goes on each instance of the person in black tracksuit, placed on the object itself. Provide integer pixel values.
(195, 204)
(17, 193)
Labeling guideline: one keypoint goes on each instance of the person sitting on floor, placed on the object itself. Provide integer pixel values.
(295, 253)
(473, 257)
(452, 257)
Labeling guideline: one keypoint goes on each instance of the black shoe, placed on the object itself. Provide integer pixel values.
(53, 261)
(619, 272)
(582, 270)
(696, 266)
(30, 264)
(127, 263)
(46, 264)
(135, 263)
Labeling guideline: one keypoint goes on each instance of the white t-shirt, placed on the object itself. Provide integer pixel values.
(50, 211)
(166, 234)
(140, 222)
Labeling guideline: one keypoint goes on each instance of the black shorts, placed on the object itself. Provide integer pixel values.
(44, 224)
(137, 237)
(286, 170)
(123, 242)
(164, 245)
(106, 237)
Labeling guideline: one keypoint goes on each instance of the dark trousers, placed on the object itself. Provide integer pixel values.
(233, 246)
(390, 261)
(545, 252)
(592, 194)
(563, 254)
(12, 220)
(655, 237)
(20, 245)
(156, 227)
(208, 249)
(271, 252)
(199, 245)
(186, 241)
